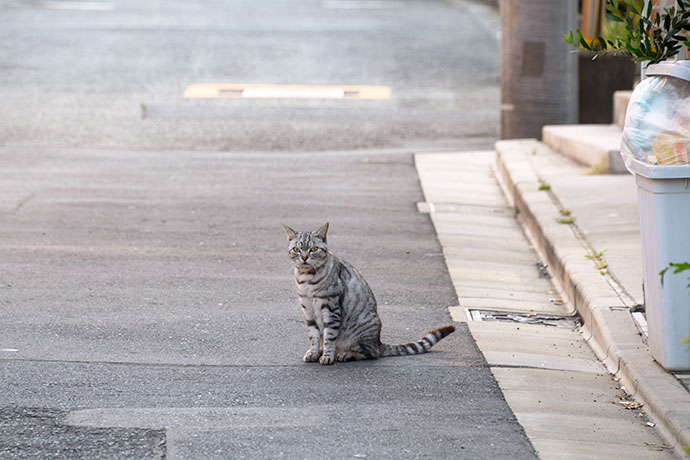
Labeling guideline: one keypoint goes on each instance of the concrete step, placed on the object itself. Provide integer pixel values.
(596, 146)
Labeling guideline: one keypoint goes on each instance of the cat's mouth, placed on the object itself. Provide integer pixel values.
(306, 267)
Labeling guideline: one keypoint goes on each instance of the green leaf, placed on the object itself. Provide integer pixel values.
(581, 40)
(613, 18)
(662, 273)
(568, 38)
(681, 267)
(678, 267)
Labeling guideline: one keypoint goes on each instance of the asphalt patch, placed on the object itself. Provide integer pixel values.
(29, 433)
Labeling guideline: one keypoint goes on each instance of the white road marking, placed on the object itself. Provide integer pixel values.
(360, 4)
(79, 6)
(294, 93)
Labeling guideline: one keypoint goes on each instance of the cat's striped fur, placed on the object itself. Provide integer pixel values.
(339, 307)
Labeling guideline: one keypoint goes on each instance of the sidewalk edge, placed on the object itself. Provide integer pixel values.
(609, 327)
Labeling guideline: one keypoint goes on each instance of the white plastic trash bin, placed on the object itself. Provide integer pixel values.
(664, 205)
(656, 149)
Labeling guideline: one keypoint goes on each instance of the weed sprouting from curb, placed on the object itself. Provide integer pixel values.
(566, 220)
(543, 186)
(564, 212)
(599, 168)
(599, 262)
(597, 255)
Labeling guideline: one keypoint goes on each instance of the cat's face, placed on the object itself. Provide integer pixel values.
(307, 250)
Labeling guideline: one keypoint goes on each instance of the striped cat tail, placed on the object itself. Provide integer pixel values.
(421, 346)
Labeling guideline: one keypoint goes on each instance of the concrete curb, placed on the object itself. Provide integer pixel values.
(609, 327)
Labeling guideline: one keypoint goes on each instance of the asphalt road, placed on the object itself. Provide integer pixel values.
(114, 77)
(155, 289)
(146, 300)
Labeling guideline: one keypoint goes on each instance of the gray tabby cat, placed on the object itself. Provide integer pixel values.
(339, 307)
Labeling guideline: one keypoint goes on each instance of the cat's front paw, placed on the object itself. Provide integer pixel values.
(327, 359)
(346, 356)
(311, 356)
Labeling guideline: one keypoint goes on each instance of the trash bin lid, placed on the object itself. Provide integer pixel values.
(678, 69)
(659, 171)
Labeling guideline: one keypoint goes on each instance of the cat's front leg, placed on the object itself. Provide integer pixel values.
(331, 327)
(314, 336)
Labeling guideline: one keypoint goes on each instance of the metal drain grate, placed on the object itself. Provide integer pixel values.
(570, 322)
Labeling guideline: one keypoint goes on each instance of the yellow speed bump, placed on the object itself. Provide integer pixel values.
(235, 91)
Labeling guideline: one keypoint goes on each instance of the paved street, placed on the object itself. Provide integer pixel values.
(112, 74)
(149, 281)
(147, 302)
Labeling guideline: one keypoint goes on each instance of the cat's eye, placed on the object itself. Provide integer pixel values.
(314, 249)
(296, 249)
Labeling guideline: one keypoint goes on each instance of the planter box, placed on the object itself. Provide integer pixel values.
(598, 80)
(664, 204)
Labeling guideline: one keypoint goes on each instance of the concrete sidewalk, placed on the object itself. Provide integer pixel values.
(560, 392)
(606, 297)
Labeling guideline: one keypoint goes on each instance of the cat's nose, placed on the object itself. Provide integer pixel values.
(304, 258)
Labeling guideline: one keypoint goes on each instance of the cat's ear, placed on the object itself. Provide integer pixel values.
(321, 232)
(290, 232)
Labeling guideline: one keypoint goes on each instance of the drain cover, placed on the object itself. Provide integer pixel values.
(570, 322)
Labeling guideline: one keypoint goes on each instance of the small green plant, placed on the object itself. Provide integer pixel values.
(601, 265)
(677, 268)
(597, 255)
(564, 212)
(645, 36)
(565, 220)
(599, 262)
(601, 167)
(543, 186)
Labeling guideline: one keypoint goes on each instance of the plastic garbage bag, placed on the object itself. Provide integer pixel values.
(657, 122)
